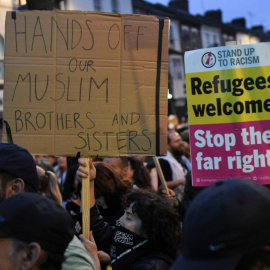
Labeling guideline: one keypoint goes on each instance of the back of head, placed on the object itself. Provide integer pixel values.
(19, 163)
(223, 223)
(109, 183)
(159, 220)
(190, 191)
(30, 217)
(48, 185)
(141, 175)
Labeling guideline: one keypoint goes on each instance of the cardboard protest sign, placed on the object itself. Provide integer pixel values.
(94, 83)
(228, 92)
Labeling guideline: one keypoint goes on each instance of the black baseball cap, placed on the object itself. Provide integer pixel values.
(30, 217)
(224, 222)
(18, 162)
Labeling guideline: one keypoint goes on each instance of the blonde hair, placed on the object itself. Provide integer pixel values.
(48, 185)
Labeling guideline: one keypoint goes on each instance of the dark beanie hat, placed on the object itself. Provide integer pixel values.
(30, 217)
(18, 162)
(225, 221)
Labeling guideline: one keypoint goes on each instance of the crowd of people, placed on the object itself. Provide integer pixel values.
(134, 222)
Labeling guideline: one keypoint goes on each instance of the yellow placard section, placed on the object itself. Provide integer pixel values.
(87, 82)
(229, 96)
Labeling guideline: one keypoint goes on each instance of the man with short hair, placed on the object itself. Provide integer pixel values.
(18, 174)
(34, 233)
(18, 171)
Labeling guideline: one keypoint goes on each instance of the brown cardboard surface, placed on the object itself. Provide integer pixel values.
(86, 82)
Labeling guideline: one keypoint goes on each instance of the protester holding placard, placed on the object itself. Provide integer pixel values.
(147, 235)
(109, 191)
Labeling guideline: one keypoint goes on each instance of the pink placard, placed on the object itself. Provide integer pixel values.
(222, 151)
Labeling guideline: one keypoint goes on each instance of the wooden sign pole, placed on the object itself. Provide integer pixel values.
(86, 202)
(160, 174)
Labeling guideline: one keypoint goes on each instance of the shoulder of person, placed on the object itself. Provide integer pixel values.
(154, 261)
(76, 254)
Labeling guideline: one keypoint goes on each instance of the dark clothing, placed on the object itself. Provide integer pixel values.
(111, 214)
(166, 169)
(72, 208)
(154, 261)
(114, 241)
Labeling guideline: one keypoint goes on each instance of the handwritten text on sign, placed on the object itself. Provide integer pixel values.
(77, 81)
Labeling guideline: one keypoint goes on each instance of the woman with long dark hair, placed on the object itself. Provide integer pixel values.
(147, 236)
(109, 191)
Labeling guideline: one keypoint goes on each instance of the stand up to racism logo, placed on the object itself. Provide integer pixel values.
(208, 59)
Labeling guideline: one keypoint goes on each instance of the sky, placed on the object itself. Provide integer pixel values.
(256, 12)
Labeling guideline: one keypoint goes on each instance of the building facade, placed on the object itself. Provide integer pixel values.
(115, 6)
(188, 32)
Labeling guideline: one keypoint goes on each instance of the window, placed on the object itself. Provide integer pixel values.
(207, 38)
(227, 38)
(215, 42)
(115, 6)
(97, 5)
(171, 35)
(177, 69)
(195, 39)
(1, 58)
(186, 38)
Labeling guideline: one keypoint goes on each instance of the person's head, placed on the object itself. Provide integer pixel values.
(186, 150)
(141, 175)
(151, 215)
(109, 186)
(175, 143)
(190, 192)
(48, 185)
(34, 233)
(224, 224)
(51, 159)
(18, 171)
(62, 163)
(185, 135)
(120, 164)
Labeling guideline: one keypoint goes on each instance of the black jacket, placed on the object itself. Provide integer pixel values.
(145, 259)
(154, 261)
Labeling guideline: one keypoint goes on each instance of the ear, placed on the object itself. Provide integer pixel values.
(32, 257)
(15, 186)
